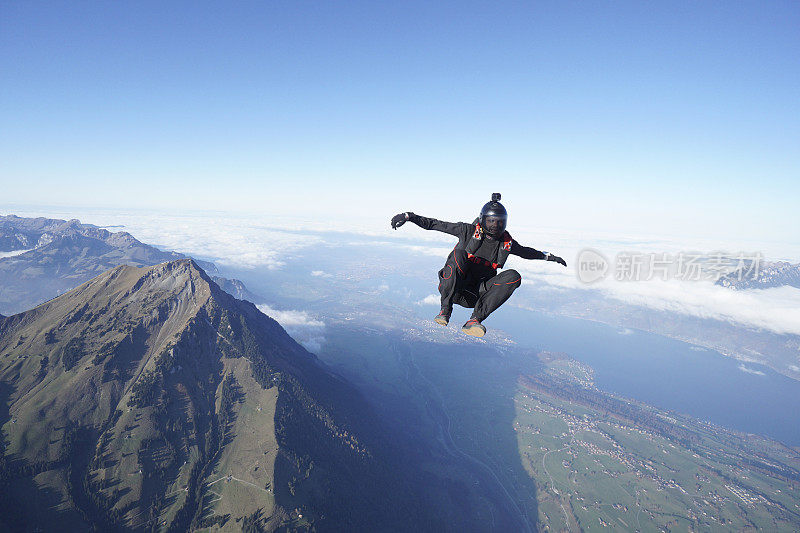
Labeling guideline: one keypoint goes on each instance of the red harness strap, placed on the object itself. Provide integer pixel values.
(479, 235)
(479, 261)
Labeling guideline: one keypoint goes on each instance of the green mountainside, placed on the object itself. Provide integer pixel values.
(149, 399)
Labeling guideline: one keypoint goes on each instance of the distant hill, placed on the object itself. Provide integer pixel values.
(236, 288)
(150, 399)
(58, 255)
(768, 274)
(18, 233)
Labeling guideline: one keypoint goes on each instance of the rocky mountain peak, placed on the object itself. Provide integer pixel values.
(129, 396)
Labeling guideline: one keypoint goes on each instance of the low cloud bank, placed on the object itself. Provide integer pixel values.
(431, 299)
(775, 309)
(248, 241)
(749, 370)
(226, 238)
(14, 253)
(227, 241)
(303, 328)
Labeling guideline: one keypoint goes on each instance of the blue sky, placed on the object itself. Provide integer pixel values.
(627, 116)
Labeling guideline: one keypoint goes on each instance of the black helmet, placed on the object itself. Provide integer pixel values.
(494, 217)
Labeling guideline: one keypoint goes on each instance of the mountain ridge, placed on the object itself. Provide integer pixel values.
(58, 255)
(17, 233)
(131, 394)
(763, 275)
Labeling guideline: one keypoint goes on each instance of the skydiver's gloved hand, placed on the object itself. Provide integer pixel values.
(399, 220)
(556, 259)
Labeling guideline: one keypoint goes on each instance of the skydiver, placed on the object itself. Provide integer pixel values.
(469, 277)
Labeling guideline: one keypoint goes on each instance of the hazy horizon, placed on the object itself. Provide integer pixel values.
(234, 240)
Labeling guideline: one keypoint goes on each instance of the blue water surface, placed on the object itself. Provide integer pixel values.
(668, 373)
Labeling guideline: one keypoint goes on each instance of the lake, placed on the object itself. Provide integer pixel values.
(668, 373)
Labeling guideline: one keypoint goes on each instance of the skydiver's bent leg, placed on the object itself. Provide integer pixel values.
(494, 292)
(451, 279)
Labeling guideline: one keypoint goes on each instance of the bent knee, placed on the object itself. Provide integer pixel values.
(509, 278)
(514, 276)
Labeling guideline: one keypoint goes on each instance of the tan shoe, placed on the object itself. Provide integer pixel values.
(443, 318)
(474, 327)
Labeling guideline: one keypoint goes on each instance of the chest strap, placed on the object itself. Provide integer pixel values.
(502, 251)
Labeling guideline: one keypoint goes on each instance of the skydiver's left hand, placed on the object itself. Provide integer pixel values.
(557, 259)
(399, 220)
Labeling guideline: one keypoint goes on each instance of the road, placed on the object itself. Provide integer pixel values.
(552, 484)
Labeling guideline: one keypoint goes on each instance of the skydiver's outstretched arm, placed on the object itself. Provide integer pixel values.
(457, 229)
(531, 253)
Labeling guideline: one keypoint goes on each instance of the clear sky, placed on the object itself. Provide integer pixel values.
(662, 117)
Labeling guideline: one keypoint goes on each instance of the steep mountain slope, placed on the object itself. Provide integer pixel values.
(148, 398)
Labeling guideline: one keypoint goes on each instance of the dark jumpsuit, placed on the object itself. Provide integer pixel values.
(472, 282)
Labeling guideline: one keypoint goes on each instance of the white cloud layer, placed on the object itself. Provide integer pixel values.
(226, 238)
(774, 309)
(259, 241)
(431, 299)
(13, 253)
(749, 370)
(305, 329)
(227, 241)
